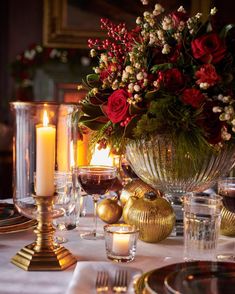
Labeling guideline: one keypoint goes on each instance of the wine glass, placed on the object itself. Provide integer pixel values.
(226, 189)
(96, 180)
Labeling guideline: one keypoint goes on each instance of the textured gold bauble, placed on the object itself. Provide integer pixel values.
(153, 216)
(109, 210)
(227, 227)
(136, 188)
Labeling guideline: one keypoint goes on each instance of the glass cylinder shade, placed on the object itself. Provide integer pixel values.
(159, 163)
(45, 141)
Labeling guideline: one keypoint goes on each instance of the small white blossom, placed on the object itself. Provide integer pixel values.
(145, 2)
(30, 54)
(104, 57)
(158, 9)
(131, 87)
(181, 9)
(229, 110)
(115, 85)
(204, 86)
(140, 76)
(166, 49)
(138, 20)
(233, 122)
(136, 88)
(160, 34)
(213, 11)
(125, 75)
(93, 53)
(225, 135)
(217, 109)
(224, 117)
(198, 15)
(137, 65)
(96, 70)
(129, 69)
(167, 23)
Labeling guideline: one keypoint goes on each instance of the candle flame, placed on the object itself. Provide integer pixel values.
(45, 119)
(101, 157)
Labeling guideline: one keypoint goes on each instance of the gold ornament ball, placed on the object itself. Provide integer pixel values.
(109, 210)
(227, 227)
(136, 188)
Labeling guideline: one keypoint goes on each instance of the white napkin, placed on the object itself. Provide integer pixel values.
(84, 276)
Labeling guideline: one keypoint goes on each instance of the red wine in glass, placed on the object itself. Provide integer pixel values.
(228, 195)
(96, 181)
(226, 189)
(96, 184)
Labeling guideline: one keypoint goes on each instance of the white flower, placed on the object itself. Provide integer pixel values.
(213, 11)
(39, 48)
(137, 65)
(131, 87)
(225, 135)
(158, 9)
(198, 15)
(216, 109)
(138, 20)
(145, 2)
(229, 110)
(104, 57)
(139, 76)
(129, 69)
(233, 122)
(181, 9)
(166, 49)
(160, 34)
(136, 88)
(204, 86)
(93, 53)
(96, 70)
(167, 23)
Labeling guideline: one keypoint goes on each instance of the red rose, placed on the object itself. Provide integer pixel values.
(193, 97)
(172, 79)
(117, 108)
(207, 74)
(208, 48)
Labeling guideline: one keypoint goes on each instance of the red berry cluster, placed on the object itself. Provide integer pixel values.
(120, 40)
(125, 122)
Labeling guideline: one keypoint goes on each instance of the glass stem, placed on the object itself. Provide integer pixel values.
(95, 200)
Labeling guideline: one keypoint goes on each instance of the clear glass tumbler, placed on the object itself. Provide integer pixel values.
(202, 217)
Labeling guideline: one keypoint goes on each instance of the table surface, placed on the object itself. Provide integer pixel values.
(149, 256)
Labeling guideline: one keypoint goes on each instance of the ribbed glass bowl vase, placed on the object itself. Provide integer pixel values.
(159, 163)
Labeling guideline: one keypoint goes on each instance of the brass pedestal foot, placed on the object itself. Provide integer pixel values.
(56, 259)
(44, 254)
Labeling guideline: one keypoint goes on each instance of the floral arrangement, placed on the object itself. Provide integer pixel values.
(24, 66)
(171, 73)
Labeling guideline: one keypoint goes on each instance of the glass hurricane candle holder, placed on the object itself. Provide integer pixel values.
(45, 141)
(120, 242)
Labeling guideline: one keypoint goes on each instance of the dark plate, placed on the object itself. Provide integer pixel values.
(199, 277)
(5, 212)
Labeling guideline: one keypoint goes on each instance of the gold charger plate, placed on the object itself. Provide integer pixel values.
(11, 221)
(139, 285)
(154, 281)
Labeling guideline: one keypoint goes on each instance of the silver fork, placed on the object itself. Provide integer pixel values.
(102, 280)
(120, 284)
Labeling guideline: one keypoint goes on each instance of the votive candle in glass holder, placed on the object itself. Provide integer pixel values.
(120, 242)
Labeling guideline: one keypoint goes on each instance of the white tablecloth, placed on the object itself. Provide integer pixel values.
(149, 256)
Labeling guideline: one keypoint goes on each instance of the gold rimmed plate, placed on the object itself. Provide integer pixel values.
(175, 278)
(11, 221)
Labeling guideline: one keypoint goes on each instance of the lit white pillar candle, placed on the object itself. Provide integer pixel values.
(121, 244)
(45, 157)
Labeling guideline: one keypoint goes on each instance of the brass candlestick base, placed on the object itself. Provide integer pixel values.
(44, 254)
